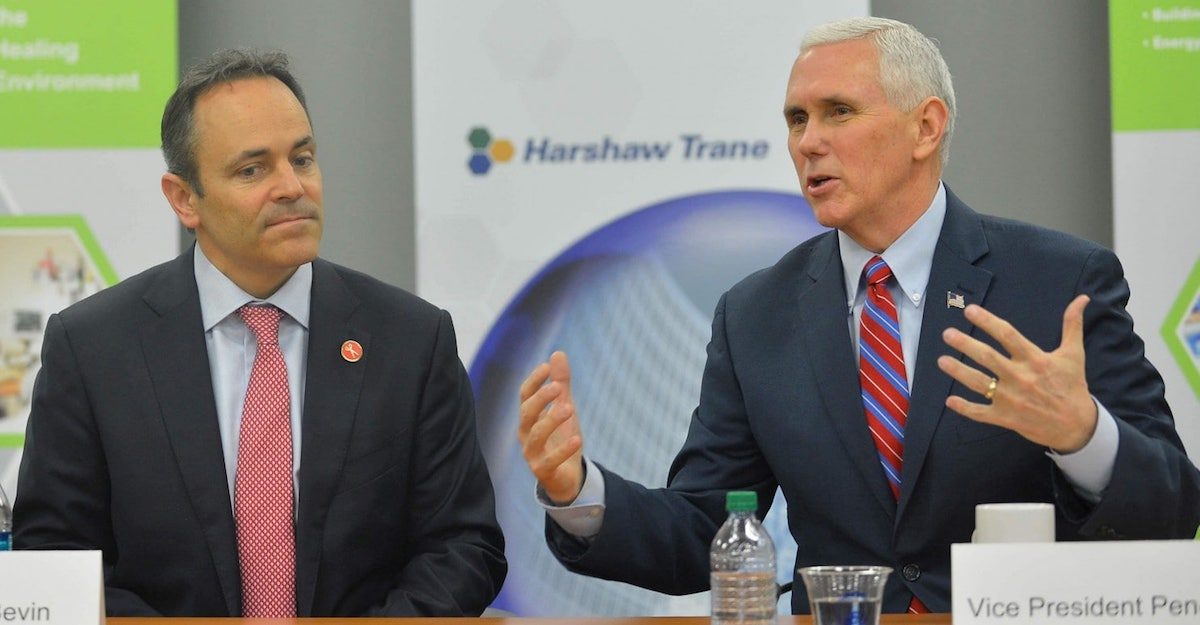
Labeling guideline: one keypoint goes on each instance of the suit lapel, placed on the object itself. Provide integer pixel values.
(960, 244)
(177, 357)
(831, 357)
(332, 387)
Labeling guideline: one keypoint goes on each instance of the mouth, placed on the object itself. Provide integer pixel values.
(291, 218)
(817, 184)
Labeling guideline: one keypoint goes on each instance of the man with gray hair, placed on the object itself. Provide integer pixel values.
(862, 375)
(249, 430)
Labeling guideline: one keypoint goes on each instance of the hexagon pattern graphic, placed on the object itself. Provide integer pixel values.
(1181, 329)
(487, 150)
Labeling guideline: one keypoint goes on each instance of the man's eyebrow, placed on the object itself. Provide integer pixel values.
(836, 98)
(831, 100)
(257, 152)
(245, 155)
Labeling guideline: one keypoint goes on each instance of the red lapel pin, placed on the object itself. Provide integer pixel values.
(352, 351)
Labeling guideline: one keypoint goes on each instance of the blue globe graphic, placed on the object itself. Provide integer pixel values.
(631, 304)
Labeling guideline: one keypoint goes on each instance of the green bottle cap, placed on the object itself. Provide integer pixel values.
(741, 501)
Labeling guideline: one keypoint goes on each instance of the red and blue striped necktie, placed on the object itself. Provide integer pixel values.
(884, 379)
(881, 372)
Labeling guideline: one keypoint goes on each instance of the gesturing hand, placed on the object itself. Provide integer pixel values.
(1042, 396)
(549, 430)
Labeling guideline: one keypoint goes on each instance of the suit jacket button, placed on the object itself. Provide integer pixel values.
(911, 572)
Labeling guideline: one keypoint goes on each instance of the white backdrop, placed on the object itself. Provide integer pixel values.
(577, 73)
(565, 200)
(1156, 206)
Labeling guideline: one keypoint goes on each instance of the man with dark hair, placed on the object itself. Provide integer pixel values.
(178, 122)
(249, 430)
(849, 374)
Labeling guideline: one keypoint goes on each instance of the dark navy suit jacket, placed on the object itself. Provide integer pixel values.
(395, 512)
(779, 406)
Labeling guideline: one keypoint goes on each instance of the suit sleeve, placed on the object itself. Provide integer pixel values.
(62, 502)
(458, 564)
(659, 538)
(1154, 492)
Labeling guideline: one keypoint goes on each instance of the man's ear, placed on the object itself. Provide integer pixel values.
(931, 117)
(182, 198)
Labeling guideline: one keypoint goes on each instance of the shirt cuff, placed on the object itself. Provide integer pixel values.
(1089, 470)
(581, 518)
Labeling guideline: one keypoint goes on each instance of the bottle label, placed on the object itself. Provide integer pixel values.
(5, 541)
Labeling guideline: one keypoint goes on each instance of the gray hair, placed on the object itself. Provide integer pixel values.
(911, 67)
(221, 67)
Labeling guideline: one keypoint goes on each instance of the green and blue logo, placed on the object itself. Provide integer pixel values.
(487, 150)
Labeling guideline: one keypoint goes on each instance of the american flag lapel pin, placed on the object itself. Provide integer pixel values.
(955, 300)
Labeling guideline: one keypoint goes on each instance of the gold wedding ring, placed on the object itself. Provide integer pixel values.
(991, 390)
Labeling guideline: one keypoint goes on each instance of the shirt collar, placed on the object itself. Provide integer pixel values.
(220, 297)
(910, 256)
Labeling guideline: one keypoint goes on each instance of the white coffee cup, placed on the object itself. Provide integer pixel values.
(1014, 523)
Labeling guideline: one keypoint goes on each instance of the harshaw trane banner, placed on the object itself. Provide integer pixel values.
(1155, 48)
(591, 177)
(82, 88)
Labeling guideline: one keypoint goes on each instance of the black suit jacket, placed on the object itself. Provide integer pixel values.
(780, 406)
(395, 512)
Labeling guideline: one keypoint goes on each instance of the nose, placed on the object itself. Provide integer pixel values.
(288, 186)
(811, 141)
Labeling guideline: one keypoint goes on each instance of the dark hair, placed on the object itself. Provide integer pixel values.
(223, 66)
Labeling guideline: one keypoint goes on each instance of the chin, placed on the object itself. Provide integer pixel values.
(829, 217)
(296, 253)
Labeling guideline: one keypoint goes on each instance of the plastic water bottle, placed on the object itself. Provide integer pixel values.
(5, 522)
(742, 562)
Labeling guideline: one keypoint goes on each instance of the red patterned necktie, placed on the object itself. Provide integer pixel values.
(884, 379)
(263, 489)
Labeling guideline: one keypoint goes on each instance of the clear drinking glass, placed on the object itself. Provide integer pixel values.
(845, 595)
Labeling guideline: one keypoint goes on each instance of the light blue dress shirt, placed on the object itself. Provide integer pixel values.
(232, 347)
(911, 260)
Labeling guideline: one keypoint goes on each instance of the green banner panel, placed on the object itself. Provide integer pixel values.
(85, 74)
(1155, 53)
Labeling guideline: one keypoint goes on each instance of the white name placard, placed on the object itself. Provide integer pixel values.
(1082, 583)
(51, 587)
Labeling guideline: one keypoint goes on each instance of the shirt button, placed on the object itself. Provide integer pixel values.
(911, 572)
